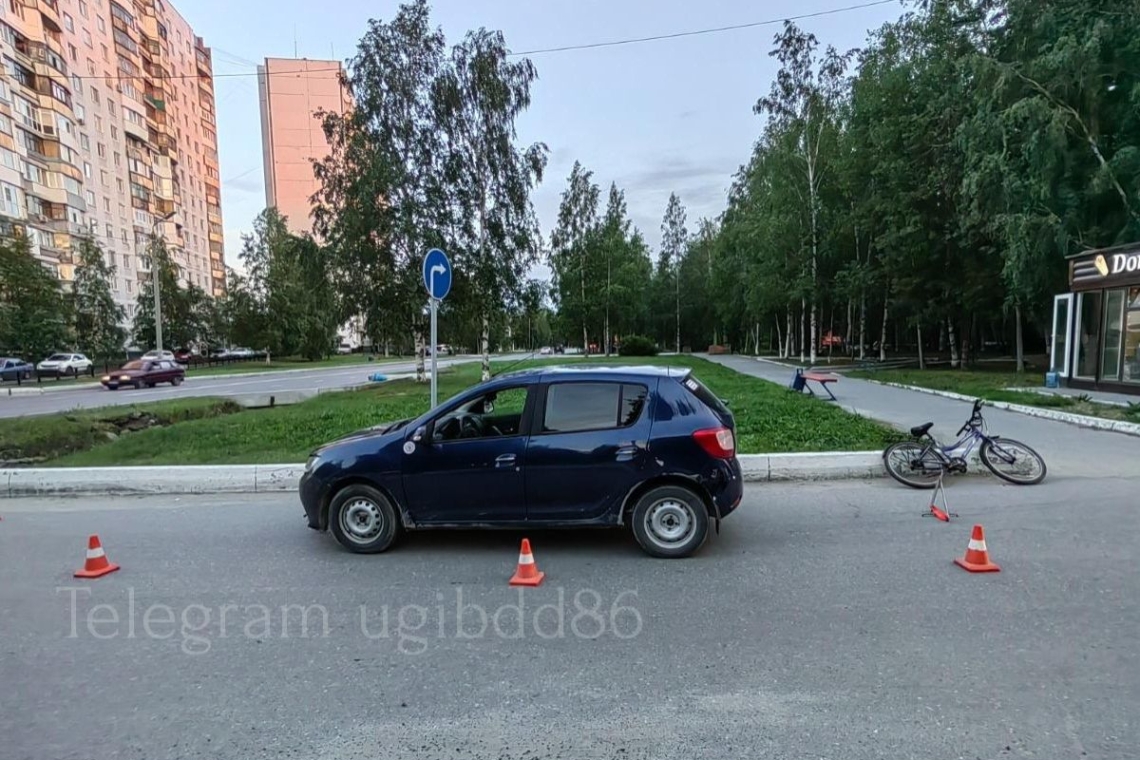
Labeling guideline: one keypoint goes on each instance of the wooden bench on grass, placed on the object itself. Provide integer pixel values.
(802, 378)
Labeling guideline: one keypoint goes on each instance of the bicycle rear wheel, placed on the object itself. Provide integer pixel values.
(1013, 461)
(913, 464)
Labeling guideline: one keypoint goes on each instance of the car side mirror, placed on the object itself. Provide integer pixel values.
(420, 434)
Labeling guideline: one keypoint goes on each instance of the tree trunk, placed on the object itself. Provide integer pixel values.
(848, 334)
(803, 327)
(585, 333)
(918, 333)
(1020, 348)
(418, 342)
(862, 326)
(484, 346)
(789, 336)
(813, 197)
(883, 333)
(779, 338)
(606, 326)
(955, 358)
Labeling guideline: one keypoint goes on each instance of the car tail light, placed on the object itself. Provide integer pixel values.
(718, 442)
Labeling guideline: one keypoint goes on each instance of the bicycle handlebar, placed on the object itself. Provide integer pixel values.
(975, 417)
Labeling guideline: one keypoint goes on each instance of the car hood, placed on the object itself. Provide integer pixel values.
(127, 372)
(383, 430)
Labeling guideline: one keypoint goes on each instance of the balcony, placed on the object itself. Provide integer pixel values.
(49, 12)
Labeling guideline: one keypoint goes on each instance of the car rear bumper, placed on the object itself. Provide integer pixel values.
(726, 486)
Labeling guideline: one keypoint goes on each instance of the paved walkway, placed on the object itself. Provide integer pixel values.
(1069, 451)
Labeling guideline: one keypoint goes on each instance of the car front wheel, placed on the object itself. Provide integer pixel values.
(363, 520)
(670, 521)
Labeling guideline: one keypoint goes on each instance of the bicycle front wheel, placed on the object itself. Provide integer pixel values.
(913, 464)
(1013, 461)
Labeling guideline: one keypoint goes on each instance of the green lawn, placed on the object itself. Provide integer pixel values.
(769, 419)
(56, 435)
(993, 386)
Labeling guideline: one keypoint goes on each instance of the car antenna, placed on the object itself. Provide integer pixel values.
(526, 358)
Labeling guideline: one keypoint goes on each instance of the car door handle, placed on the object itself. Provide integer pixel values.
(505, 460)
(626, 453)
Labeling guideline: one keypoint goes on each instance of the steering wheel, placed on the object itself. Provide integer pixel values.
(470, 426)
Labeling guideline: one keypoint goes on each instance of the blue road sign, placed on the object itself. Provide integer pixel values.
(437, 274)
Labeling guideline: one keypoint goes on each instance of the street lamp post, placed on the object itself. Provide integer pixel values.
(157, 287)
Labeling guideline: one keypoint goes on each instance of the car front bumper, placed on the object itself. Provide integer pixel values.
(313, 493)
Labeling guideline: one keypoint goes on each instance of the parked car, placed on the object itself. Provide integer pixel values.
(546, 351)
(155, 355)
(183, 356)
(145, 372)
(64, 364)
(241, 353)
(647, 447)
(15, 369)
(344, 349)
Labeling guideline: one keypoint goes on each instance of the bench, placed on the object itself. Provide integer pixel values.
(801, 379)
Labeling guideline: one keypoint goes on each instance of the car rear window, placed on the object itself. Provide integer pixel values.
(707, 397)
(572, 407)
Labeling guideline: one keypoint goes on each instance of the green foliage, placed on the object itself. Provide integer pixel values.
(286, 303)
(34, 315)
(98, 319)
(186, 311)
(637, 345)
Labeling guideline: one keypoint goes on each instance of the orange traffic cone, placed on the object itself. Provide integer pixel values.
(977, 559)
(97, 564)
(527, 573)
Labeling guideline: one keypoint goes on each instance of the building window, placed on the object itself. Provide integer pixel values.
(82, 9)
(94, 96)
(5, 124)
(87, 39)
(99, 124)
(101, 149)
(1132, 336)
(105, 182)
(91, 199)
(111, 107)
(117, 159)
(114, 132)
(110, 232)
(107, 206)
(102, 24)
(84, 142)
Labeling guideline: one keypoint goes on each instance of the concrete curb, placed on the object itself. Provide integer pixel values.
(267, 478)
(1080, 420)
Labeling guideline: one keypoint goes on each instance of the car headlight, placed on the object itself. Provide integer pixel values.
(124, 378)
(106, 378)
(312, 462)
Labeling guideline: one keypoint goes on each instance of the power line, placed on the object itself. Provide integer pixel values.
(535, 51)
(697, 32)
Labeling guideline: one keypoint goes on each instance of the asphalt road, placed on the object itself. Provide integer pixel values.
(286, 380)
(826, 621)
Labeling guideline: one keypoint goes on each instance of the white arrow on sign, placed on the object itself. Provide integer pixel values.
(437, 269)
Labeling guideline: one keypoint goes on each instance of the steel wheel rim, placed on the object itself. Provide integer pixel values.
(670, 522)
(361, 520)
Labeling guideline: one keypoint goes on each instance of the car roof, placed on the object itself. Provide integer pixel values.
(594, 372)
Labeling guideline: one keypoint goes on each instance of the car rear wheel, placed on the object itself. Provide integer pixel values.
(177, 380)
(363, 520)
(670, 521)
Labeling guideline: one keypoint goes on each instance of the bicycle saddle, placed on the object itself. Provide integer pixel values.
(921, 430)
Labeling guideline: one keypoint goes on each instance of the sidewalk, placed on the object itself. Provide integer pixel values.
(1069, 451)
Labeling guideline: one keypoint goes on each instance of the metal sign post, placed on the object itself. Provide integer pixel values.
(434, 343)
(437, 280)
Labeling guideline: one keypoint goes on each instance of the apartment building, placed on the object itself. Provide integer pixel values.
(107, 112)
(291, 92)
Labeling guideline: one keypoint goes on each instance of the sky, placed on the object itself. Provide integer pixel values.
(656, 117)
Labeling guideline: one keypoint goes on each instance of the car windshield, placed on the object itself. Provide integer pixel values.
(59, 357)
(133, 365)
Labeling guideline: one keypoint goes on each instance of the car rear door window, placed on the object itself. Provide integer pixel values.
(573, 407)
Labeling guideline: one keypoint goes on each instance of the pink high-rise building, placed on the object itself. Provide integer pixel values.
(107, 129)
(292, 91)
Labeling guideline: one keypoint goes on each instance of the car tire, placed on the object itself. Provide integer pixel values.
(670, 521)
(138, 385)
(176, 381)
(363, 520)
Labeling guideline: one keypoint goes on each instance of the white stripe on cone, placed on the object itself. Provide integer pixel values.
(526, 559)
(95, 553)
(976, 545)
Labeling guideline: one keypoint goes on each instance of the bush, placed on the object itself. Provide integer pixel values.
(637, 345)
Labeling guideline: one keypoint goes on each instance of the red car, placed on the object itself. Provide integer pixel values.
(145, 372)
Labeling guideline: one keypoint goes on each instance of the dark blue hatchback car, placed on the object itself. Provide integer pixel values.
(649, 447)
